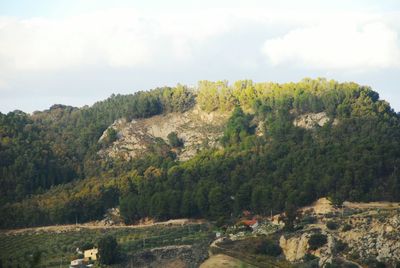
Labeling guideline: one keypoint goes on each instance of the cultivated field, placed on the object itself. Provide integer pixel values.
(55, 248)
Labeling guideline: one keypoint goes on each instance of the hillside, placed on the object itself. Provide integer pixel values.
(205, 152)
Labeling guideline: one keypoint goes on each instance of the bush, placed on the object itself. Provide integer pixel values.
(346, 227)
(174, 140)
(316, 241)
(373, 263)
(309, 257)
(267, 247)
(340, 246)
(331, 225)
(86, 246)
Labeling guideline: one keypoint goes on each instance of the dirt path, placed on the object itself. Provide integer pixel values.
(224, 261)
(94, 225)
(374, 205)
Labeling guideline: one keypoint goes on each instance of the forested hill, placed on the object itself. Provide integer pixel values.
(283, 146)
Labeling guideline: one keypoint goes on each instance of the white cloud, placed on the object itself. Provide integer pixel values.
(132, 38)
(114, 37)
(339, 44)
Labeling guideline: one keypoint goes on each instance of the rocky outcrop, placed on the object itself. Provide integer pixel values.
(310, 120)
(197, 128)
(364, 232)
(294, 248)
(375, 237)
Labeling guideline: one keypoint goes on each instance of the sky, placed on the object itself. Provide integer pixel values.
(79, 52)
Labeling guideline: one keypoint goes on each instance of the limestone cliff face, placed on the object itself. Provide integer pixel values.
(310, 120)
(368, 231)
(374, 235)
(197, 128)
(294, 248)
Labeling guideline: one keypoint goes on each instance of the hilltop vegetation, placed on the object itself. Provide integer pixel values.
(265, 162)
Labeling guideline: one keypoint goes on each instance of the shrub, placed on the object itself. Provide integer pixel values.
(346, 227)
(309, 257)
(316, 241)
(86, 246)
(331, 225)
(340, 246)
(267, 247)
(174, 140)
(373, 263)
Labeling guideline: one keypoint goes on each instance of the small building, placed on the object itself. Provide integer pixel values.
(78, 263)
(90, 254)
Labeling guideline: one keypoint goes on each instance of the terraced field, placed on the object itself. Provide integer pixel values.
(55, 249)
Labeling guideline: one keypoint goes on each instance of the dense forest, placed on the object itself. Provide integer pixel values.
(50, 171)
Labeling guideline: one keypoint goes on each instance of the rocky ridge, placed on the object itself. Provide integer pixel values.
(197, 129)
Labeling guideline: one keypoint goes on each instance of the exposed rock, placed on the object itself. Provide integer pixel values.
(372, 233)
(310, 120)
(321, 206)
(294, 248)
(375, 238)
(197, 129)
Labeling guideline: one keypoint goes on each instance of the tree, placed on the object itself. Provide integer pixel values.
(243, 198)
(219, 203)
(174, 140)
(128, 208)
(108, 250)
(316, 241)
(290, 215)
(238, 127)
(111, 136)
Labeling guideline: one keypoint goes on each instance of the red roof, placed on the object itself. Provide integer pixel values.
(250, 222)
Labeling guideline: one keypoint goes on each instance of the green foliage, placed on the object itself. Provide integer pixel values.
(58, 249)
(290, 215)
(86, 245)
(35, 258)
(331, 225)
(174, 140)
(267, 247)
(111, 136)
(108, 250)
(219, 202)
(340, 246)
(316, 241)
(309, 257)
(60, 145)
(238, 128)
(346, 227)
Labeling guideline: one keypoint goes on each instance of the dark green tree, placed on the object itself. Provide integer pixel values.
(108, 250)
